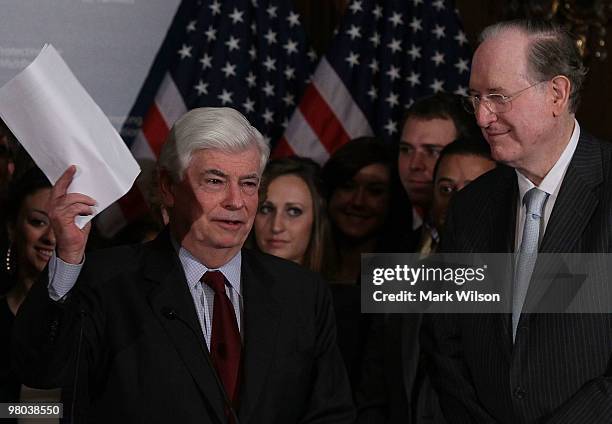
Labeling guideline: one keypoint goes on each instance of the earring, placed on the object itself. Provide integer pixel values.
(7, 262)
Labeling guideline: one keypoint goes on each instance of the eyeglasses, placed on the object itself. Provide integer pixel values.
(495, 103)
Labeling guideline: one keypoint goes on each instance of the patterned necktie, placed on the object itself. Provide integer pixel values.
(534, 201)
(225, 344)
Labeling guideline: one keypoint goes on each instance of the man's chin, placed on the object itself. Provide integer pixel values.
(420, 198)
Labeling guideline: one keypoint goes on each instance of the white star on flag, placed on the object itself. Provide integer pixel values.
(236, 16)
(438, 4)
(225, 97)
(215, 7)
(289, 99)
(437, 86)
(270, 37)
(268, 116)
(395, 45)
(413, 79)
(374, 66)
(354, 32)
(462, 65)
(461, 38)
(289, 73)
(268, 89)
(290, 46)
(270, 64)
(393, 99)
(438, 31)
(353, 59)
(185, 51)
(272, 11)
(393, 73)
(373, 93)
(396, 19)
(229, 69)
(416, 24)
(201, 88)
(461, 91)
(377, 12)
(293, 19)
(414, 52)
(375, 39)
(232, 43)
(211, 34)
(391, 127)
(206, 61)
(249, 105)
(438, 58)
(356, 7)
(251, 79)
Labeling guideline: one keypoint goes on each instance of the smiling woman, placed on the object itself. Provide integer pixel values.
(369, 212)
(31, 243)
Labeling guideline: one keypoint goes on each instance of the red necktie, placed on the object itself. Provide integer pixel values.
(225, 344)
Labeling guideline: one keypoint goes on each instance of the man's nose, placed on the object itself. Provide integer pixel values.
(484, 116)
(417, 162)
(233, 196)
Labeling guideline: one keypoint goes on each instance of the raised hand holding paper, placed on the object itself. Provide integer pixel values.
(59, 125)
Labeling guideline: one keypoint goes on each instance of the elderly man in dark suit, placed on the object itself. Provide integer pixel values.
(554, 194)
(188, 328)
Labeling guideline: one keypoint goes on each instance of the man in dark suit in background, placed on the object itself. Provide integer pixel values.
(553, 195)
(188, 328)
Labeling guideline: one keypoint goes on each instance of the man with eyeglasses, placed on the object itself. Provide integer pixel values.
(553, 194)
(188, 328)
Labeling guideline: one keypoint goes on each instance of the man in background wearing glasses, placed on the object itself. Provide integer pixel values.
(554, 194)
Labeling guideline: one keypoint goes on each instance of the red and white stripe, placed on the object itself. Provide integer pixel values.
(326, 118)
(167, 107)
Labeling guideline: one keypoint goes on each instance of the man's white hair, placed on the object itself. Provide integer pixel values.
(218, 128)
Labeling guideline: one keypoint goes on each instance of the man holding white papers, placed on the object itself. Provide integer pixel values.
(188, 328)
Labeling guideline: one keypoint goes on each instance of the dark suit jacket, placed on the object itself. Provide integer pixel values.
(558, 370)
(395, 388)
(143, 356)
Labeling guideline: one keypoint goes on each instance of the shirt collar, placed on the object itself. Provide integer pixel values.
(417, 220)
(194, 269)
(552, 181)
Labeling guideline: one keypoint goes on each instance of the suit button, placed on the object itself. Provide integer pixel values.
(519, 393)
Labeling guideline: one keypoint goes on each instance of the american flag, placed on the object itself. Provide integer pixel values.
(385, 55)
(251, 55)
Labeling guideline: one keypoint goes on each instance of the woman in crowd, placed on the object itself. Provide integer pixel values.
(31, 243)
(368, 209)
(369, 212)
(291, 221)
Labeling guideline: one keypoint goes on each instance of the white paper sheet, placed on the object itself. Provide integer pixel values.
(60, 125)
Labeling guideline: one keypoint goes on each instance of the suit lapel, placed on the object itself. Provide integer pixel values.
(502, 224)
(578, 198)
(409, 329)
(172, 304)
(262, 313)
(501, 212)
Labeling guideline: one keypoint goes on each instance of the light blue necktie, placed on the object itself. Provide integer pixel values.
(534, 201)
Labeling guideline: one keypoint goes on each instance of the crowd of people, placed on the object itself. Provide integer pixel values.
(193, 327)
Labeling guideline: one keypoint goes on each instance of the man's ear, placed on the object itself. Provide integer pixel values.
(166, 188)
(561, 88)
